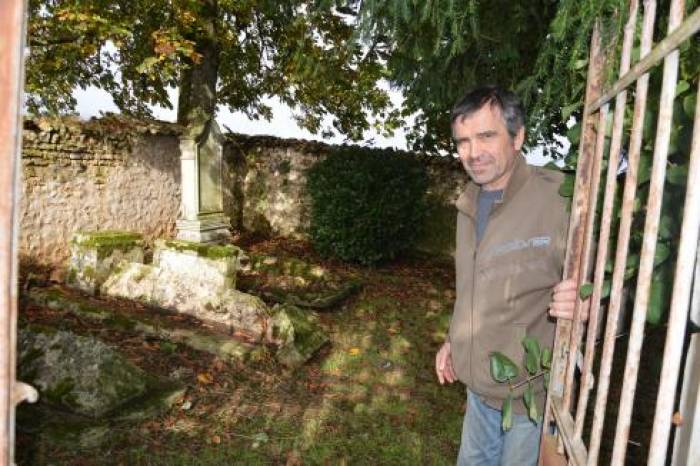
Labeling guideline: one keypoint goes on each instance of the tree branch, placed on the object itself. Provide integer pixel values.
(34, 42)
(528, 380)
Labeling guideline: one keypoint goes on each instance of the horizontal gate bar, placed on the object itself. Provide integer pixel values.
(689, 27)
(565, 422)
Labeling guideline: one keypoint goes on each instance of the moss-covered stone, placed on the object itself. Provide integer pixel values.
(318, 299)
(55, 427)
(294, 281)
(77, 373)
(209, 251)
(297, 333)
(107, 238)
(95, 255)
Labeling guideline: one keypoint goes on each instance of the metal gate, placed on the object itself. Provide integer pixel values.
(573, 378)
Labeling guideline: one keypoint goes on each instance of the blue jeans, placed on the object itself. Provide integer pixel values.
(485, 444)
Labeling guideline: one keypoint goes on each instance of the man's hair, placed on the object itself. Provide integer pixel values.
(509, 104)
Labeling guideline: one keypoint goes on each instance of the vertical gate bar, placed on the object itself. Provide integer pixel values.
(680, 300)
(620, 256)
(578, 213)
(608, 200)
(651, 229)
(585, 260)
(11, 77)
(687, 437)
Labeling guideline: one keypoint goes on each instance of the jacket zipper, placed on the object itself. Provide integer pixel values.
(472, 312)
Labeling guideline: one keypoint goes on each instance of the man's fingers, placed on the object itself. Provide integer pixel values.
(564, 295)
(450, 373)
(439, 363)
(565, 310)
(443, 365)
(565, 285)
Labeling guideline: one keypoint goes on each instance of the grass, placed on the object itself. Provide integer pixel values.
(369, 398)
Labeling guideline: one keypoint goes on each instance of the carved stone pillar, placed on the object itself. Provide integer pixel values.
(202, 213)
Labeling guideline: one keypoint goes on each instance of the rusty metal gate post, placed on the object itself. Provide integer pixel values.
(12, 31)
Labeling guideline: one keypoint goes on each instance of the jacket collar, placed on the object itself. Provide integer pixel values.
(467, 201)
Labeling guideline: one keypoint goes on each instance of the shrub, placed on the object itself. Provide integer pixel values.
(367, 205)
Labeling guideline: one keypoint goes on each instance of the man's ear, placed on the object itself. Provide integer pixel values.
(519, 139)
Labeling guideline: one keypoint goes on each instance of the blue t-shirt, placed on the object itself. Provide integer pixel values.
(486, 200)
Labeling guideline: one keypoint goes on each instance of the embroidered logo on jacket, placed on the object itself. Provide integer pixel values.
(518, 244)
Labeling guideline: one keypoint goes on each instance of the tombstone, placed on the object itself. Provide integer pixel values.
(202, 211)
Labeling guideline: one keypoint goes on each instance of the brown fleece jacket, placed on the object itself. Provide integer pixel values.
(504, 284)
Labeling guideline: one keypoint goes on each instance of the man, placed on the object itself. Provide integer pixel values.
(511, 238)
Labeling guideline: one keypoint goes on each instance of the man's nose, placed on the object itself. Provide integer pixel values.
(465, 151)
(471, 152)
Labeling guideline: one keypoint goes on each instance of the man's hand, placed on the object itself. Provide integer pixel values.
(443, 364)
(563, 302)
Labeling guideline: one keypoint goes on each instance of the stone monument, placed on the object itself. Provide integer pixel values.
(202, 216)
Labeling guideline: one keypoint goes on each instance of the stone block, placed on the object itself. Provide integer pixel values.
(77, 373)
(212, 265)
(296, 333)
(182, 291)
(95, 255)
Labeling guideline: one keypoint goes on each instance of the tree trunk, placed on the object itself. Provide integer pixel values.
(197, 99)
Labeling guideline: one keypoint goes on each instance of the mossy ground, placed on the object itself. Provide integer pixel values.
(369, 398)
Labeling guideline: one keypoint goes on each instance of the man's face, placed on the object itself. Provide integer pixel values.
(485, 148)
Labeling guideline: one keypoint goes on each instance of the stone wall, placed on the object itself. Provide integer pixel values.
(99, 175)
(269, 184)
(120, 174)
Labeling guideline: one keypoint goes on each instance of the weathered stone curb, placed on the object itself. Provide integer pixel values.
(224, 347)
(306, 274)
(322, 302)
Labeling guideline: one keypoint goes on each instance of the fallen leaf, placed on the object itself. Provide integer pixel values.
(204, 378)
(293, 459)
(219, 365)
(354, 351)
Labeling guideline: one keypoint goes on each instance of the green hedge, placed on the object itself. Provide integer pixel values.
(367, 206)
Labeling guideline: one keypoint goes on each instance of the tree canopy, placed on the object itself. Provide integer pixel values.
(229, 52)
(438, 49)
(321, 57)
